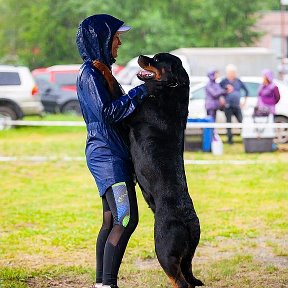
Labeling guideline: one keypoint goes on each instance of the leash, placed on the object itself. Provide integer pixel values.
(113, 84)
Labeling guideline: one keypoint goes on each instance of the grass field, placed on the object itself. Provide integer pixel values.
(50, 214)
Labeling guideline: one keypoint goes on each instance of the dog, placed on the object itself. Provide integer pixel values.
(156, 135)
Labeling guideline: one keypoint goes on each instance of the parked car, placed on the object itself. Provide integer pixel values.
(18, 93)
(56, 100)
(57, 85)
(64, 76)
(116, 69)
(197, 104)
(128, 79)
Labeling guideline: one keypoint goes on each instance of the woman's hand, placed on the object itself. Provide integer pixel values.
(229, 88)
(243, 104)
(222, 102)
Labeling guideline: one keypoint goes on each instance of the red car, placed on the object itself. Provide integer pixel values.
(57, 85)
(64, 76)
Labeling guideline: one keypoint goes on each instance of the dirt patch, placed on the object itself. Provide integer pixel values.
(256, 247)
(260, 249)
(264, 253)
(147, 264)
(61, 282)
(56, 257)
(248, 279)
(222, 248)
(227, 248)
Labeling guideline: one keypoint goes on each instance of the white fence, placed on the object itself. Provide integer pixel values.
(6, 123)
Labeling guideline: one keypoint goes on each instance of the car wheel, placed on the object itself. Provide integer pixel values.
(7, 113)
(72, 107)
(281, 134)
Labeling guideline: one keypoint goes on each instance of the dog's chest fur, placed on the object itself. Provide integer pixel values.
(157, 139)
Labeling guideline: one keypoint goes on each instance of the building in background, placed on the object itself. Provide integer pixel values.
(270, 24)
(274, 26)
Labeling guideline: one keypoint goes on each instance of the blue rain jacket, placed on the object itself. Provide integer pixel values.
(107, 153)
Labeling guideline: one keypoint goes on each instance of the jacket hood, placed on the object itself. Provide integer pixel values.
(94, 38)
(211, 75)
(268, 74)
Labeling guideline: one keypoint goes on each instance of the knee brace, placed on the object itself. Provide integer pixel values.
(122, 215)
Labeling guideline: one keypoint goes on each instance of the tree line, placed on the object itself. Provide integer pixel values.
(42, 32)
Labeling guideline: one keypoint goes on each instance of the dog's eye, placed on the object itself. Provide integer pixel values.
(156, 60)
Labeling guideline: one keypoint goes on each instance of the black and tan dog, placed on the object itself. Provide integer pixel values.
(157, 144)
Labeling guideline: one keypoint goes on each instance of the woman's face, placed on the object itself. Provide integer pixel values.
(265, 80)
(116, 42)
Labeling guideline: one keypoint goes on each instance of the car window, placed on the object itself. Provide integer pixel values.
(198, 94)
(9, 78)
(66, 78)
(44, 85)
(252, 89)
(44, 76)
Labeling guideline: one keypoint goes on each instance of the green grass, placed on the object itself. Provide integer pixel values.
(50, 214)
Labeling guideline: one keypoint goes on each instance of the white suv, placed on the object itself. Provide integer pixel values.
(128, 79)
(18, 93)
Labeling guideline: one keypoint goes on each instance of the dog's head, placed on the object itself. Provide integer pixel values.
(163, 67)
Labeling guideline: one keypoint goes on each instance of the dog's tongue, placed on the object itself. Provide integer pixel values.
(145, 74)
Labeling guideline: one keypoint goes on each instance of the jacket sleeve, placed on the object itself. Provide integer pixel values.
(276, 94)
(99, 101)
(243, 86)
(223, 84)
(215, 93)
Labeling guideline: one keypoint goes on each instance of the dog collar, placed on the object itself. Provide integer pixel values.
(173, 85)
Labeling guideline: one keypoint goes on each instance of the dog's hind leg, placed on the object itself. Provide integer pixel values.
(186, 268)
(186, 263)
(171, 266)
(168, 250)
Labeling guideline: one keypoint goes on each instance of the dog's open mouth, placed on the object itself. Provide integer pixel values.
(146, 75)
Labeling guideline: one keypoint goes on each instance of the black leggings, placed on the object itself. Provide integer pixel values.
(229, 112)
(120, 218)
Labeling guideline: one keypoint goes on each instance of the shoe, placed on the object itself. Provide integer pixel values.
(97, 285)
(110, 286)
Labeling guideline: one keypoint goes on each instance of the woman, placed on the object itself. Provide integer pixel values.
(214, 95)
(104, 106)
(268, 94)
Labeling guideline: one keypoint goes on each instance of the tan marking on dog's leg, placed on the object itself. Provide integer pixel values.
(173, 282)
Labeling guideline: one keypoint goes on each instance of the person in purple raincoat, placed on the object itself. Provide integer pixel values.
(214, 99)
(268, 94)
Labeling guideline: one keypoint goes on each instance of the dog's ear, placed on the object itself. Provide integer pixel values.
(179, 74)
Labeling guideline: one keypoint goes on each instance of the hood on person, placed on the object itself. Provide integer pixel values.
(213, 75)
(98, 38)
(267, 77)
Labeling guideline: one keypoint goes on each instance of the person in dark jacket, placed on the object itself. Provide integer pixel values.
(233, 86)
(104, 106)
(214, 99)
